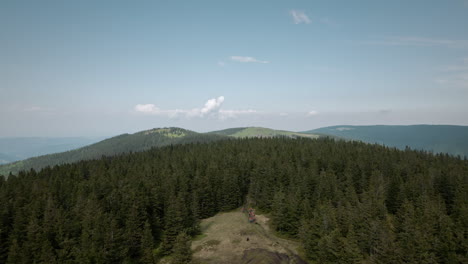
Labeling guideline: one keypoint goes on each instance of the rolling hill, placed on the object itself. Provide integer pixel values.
(125, 143)
(249, 132)
(434, 138)
(141, 141)
(407, 206)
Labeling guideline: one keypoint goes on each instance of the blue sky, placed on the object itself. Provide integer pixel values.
(100, 68)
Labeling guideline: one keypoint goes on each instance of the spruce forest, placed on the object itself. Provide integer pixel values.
(346, 202)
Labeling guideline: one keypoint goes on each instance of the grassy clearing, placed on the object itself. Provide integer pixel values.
(267, 132)
(168, 132)
(229, 238)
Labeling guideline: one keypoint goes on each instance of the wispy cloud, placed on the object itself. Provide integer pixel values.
(461, 66)
(455, 76)
(299, 17)
(37, 109)
(221, 63)
(312, 113)
(246, 59)
(33, 109)
(212, 108)
(417, 41)
(327, 21)
(224, 114)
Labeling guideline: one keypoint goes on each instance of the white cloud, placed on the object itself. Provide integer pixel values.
(146, 108)
(212, 105)
(224, 114)
(283, 114)
(221, 63)
(299, 17)
(246, 59)
(312, 113)
(212, 108)
(152, 109)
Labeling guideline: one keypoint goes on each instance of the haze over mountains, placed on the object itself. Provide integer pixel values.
(19, 148)
(141, 141)
(125, 143)
(434, 138)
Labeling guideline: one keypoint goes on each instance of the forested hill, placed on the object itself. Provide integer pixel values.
(250, 132)
(125, 143)
(346, 202)
(140, 141)
(434, 138)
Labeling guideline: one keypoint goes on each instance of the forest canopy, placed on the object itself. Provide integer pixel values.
(347, 202)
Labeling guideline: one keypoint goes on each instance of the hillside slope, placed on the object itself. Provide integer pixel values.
(125, 143)
(141, 141)
(434, 138)
(249, 132)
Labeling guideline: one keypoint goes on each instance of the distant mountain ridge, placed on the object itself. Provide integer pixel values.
(140, 141)
(246, 132)
(19, 148)
(434, 138)
(124, 143)
(445, 139)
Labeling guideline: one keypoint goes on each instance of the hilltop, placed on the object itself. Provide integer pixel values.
(249, 132)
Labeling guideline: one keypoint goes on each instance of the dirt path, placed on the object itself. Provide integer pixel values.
(230, 238)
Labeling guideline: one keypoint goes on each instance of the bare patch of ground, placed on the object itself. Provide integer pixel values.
(229, 238)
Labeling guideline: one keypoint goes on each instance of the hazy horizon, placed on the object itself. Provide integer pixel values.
(93, 69)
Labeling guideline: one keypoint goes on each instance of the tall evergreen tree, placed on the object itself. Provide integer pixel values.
(147, 245)
(181, 251)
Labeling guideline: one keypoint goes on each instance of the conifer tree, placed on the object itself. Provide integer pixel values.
(15, 254)
(182, 252)
(147, 245)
